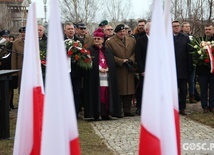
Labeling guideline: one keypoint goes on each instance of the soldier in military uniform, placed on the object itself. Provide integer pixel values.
(17, 55)
(81, 33)
(123, 49)
(6, 49)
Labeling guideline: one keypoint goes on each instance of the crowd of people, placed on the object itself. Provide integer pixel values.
(110, 87)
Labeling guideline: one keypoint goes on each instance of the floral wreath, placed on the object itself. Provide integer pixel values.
(203, 53)
(78, 54)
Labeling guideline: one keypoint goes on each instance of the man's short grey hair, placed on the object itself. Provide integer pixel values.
(42, 27)
(67, 23)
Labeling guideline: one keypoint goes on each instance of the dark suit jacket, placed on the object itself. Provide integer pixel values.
(140, 52)
(182, 56)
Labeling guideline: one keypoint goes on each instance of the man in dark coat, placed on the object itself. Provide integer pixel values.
(42, 46)
(183, 63)
(76, 71)
(140, 56)
(205, 78)
(140, 28)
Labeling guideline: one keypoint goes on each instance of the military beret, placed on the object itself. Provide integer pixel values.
(119, 28)
(103, 23)
(4, 33)
(81, 25)
(22, 29)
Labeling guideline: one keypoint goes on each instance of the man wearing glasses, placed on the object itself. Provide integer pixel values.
(183, 63)
(140, 31)
(81, 33)
(108, 31)
(123, 48)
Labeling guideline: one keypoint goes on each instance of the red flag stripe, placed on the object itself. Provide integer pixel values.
(149, 144)
(38, 104)
(74, 147)
(177, 127)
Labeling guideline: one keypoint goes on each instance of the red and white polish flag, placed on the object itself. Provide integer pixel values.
(158, 136)
(60, 133)
(173, 73)
(29, 120)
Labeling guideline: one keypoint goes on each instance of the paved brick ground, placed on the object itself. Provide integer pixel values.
(122, 135)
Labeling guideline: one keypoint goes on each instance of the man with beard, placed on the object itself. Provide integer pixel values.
(140, 31)
(140, 55)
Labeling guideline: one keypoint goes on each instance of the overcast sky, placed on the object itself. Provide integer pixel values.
(139, 9)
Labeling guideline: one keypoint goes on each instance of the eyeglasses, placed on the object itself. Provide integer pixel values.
(97, 38)
(109, 29)
(176, 26)
(82, 28)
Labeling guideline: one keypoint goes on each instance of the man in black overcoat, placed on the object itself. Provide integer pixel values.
(140, 56)
(183, 63)
(76, 71)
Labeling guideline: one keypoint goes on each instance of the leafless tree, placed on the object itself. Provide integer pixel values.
(116, 10)
(79, 10)
(197, 12)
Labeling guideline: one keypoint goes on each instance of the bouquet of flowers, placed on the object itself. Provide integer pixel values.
(78, 54)
(203, 53)
(43, 57)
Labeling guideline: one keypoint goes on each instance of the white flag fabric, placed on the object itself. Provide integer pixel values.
(28, 128)
(157, 135)
(60, 133)
(173, 73)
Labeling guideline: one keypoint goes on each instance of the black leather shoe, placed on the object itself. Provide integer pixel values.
(129, 115)
(138, 112)
(96, 118)
(182, 112)
(106, 118)
(117, 116)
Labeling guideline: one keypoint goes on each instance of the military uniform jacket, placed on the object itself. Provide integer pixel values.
(88, 41)
(123, 51)
(17, 55)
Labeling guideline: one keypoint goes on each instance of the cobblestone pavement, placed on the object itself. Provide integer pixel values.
(122, 135)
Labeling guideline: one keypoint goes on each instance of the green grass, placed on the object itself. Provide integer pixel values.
(195, 112)
(90, 143)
